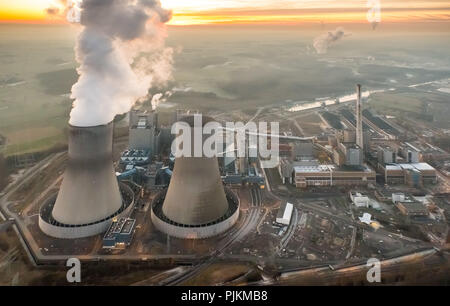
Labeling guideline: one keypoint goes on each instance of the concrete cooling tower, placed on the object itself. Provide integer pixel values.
(90, 196)
(196, 204)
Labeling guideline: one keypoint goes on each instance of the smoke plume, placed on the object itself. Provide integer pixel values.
(52, 11)
(122, 55)
(159, 98)
(324, 41)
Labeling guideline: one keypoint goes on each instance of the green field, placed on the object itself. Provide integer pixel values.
(397, 102)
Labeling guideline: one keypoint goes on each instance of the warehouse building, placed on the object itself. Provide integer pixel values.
(284, 215)
(413, 174)
(331, 175)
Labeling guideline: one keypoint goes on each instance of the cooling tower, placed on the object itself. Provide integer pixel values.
(89, 196)
(195, 205)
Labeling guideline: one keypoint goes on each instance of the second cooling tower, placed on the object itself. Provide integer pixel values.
(90, 196)
(196, 204)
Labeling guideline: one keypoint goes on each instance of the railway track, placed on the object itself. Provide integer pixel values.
(250, 222)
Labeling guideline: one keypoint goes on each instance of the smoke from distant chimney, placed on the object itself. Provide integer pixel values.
(323, 42)
(122, 54)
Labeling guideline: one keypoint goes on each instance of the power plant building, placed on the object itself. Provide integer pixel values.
(387, 154)
(331, 175)
(348, 154)
(144, 132)
(413, 174)
(410, 153)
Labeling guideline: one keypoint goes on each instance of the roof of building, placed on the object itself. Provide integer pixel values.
(387, 147)
(412, 147)
(314, 168)
(412, 166)
(353, 168)
(123, 226)
(285, 211)
(357, 194)
(393, 167)
(422, 166)
(412, 206)
(350, 145)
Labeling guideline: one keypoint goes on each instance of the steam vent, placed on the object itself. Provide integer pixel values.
(196, 205)
(90, 196)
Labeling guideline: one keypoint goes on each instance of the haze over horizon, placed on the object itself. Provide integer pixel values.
(234, 66)
(204, 12)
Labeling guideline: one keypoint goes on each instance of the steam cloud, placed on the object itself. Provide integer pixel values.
(122, 55)
(52, 11)
(323, 42)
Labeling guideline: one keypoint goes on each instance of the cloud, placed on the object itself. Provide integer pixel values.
(52, 11)
(122, 54)
(324, 41)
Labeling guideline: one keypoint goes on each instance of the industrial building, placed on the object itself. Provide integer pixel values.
(332, 175)
(387, 154)
(359, 199)
(285, 168)
(349, 154)
(302, 150)
(410, 153)
(119, 234)
(398, 197)
(90, 196)
(284, 215)
(135, 157)
(413, 174)
(412, 208)
(428, 152)
(144, 132)
(346, 135)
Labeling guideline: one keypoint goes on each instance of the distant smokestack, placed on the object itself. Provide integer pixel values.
(359, 126)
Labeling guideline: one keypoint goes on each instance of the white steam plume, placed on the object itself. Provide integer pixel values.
(323, 42)
(122, 55)
(156, 100)
(159, 98)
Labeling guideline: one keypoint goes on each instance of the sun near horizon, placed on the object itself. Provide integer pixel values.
(204, 12)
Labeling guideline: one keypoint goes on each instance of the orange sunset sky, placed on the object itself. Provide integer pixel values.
(194, 12)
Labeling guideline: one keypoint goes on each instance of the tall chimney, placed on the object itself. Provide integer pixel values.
(359, 126)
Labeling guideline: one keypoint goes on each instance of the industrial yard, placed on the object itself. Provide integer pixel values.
(284, 228)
